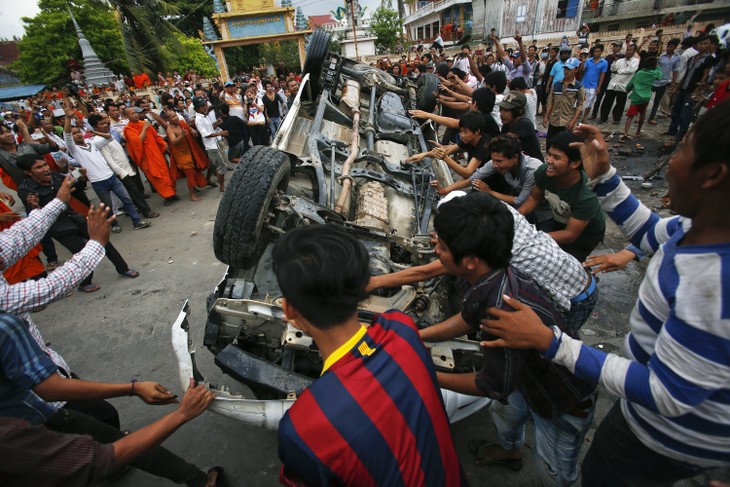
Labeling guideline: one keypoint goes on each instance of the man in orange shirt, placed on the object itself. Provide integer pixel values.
(147, 149)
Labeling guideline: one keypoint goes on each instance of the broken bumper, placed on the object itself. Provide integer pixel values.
(268, 413)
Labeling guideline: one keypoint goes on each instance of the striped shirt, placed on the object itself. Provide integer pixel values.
(375, 417)
(674, 383)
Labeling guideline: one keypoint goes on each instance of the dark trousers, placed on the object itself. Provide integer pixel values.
(49, 249)
(620, 98)
(618, 457)
(137, 196)
(658, 95)
(682, 113)
(259, 134)
(553, 130)
(581, 248)
(157, 461)
(541, 98)
(76, 241)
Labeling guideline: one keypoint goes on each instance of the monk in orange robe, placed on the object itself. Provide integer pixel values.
(147, 149)
(141, 80)
(185, 153)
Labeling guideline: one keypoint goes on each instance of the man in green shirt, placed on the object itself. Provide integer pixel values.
(578, 223)
(640, 93)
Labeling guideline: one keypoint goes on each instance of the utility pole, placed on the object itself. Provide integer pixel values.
(354, 27)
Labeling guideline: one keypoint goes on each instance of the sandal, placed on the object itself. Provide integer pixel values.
(116, 229)
(89, 288)
(477, 447)
(131, 273)
(220, 480)
(51, 266)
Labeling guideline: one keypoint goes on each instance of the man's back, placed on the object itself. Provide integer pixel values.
(375, 417)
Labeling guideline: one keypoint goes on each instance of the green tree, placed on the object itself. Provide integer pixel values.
(50, 40)
(192, 56)
(385, 26)
(241, 58)
(189, 18)
(280, 54)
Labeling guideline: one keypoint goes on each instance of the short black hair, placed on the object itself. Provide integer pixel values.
(562, 141)
(650, 62)
(322, 271)
(442, 70)
(27, 161)
(497, 79)
(484, 69)
(472, 121)
(711, 136)
(94, 119)
(507, 146)
(485, 99)
(597, 46)
(225, 109)
(458, 72)
(477, 224)
(688, 42)
(674, 41)
(518, 83)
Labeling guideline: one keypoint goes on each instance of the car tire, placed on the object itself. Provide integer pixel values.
(317, 50)
(425, 86)
(239, 236)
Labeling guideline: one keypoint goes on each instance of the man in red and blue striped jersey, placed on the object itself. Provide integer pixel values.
(375, 416)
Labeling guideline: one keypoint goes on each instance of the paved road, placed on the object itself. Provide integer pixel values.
(122, 332)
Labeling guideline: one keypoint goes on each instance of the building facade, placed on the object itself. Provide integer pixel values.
(452, 19)
(615, 15)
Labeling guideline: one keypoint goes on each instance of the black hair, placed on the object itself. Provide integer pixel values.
(597, 46)
(562, 141)
(27, 161)
(421, 68)
(138, 102)
(688, 42)
(465, 46)
(555, 48)
(650, 62)
(165, 97)
(472, 121)
(442, 70)
(484, 70)
(484, 98)
(674, 41)
(267, 83)
(518, 83)
(478, 225)
(225, 109)
(458, 72)
(714, 39)
(711, 136)
(322, 271)
(507, 146)
(498, 80)
(701, 37)
(94, 119)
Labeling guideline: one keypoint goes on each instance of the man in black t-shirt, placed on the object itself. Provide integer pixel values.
(272, 107)
(237, 134)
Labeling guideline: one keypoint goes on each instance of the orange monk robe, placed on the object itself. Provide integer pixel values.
(200, 158)
(150, 157)
(142, 80)
(26, 267)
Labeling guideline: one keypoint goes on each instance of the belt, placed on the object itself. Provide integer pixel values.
(587, 292)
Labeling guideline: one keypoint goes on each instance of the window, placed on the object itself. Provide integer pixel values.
(427, 31)
(435, 29)
(521, 13)
(567, 9)
(419, 36)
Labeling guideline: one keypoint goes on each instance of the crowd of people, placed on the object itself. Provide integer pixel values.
(519, 241)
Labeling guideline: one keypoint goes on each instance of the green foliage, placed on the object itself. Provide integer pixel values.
(280, 54)
(190, 15)
(241, 58)
(191, 56)
(50, 40)
(385, 25)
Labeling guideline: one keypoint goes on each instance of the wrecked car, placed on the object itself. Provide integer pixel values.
(337, 159)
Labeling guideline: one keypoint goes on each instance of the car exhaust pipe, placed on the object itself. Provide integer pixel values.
(351, 98)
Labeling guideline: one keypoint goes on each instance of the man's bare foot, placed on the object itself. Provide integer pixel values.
(638, 133)
(213, 477)
(194, 197)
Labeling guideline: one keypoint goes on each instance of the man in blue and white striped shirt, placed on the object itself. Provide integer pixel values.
(673, 417)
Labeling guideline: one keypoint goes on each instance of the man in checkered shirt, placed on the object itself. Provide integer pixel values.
(571, 288)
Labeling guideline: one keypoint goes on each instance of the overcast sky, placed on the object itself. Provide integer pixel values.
(13, 10)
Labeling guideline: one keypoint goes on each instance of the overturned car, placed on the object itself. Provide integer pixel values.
(338, 159)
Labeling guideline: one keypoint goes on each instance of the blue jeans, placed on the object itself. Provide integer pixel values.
(579, 312)
(274, 123)
(557, 441)
(618, 457)
(103, 190)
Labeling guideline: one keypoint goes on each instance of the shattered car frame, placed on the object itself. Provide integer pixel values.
(337, 159)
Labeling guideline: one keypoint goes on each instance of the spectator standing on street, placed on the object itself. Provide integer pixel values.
(237, 137)
(640, 88)
(272, 107)
(376, 414)
(691, 75)
(610, 59)
(669, 63)
(518, 66)
(565, 102)
(594, 71)
(211, 138)
(622, 71)
(185, 153)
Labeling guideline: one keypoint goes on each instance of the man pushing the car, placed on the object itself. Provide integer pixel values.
(375, 416)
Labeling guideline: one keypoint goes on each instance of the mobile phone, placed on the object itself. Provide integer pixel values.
(36, 136)
(76, 173)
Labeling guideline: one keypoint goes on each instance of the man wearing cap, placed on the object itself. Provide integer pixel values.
(232, 98)
(512, 112)
(565, 102)
(594, 70)
(211, 138)
(556, 72)
(517, 64)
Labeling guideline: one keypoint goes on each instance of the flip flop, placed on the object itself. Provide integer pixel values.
(89, 288)
(220, 480)
(477, 447)
(131, 273)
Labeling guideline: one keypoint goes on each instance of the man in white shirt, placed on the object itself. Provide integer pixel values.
(622, 70)
(211, 140)
(98, 172)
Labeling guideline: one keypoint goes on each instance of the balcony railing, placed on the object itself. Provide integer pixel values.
(431, 8)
